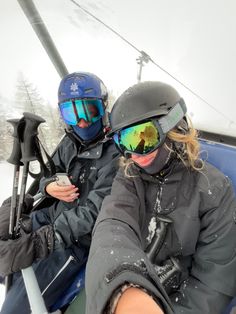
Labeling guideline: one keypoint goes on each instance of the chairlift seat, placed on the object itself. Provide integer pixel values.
(222, 156)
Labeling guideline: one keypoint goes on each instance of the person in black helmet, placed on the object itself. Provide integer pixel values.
(165, 238)
(59, 242)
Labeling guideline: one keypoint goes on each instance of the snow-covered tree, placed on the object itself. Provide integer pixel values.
(5, 138)
(28, 99)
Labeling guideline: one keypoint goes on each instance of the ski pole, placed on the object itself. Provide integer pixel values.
(25, 140)
(158, 239)
(29, 150)
(24, 132)
(15, 160)
(27, 135)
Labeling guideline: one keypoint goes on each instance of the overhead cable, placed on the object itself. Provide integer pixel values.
(150, 59)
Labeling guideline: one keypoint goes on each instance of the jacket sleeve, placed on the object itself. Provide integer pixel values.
(211, 283)
(116, 254)
(76, 224)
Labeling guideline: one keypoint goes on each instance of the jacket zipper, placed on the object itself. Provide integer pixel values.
(71, 258)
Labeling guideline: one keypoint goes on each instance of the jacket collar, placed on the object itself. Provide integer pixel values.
(175, 170)
(93, 152)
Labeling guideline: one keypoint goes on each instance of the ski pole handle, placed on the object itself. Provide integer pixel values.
(28, 139)
(159, 237)
(27, 133)
(15, 157)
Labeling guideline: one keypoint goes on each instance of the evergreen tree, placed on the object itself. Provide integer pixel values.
(28, 99)
(111, 99)
(5, 138)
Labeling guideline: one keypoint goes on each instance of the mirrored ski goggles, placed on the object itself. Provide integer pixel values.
(145, 137)
(73, 110)
(140, 138)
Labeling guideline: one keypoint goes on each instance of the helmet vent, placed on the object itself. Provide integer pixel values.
(163, 105)
(88, 90)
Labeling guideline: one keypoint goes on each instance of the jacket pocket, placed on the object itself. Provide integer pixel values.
(59, 274)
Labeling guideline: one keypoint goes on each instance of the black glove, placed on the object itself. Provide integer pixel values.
(22, 252)
(27, 205)
(5, 214)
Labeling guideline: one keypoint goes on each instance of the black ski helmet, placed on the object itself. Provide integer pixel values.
(143, 101)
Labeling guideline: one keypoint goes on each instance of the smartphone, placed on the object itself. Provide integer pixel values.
(62, 179)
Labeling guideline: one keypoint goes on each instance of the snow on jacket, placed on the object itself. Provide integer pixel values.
(92, 171)
(202, 236)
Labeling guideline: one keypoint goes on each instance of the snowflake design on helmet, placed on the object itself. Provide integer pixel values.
(74, 87)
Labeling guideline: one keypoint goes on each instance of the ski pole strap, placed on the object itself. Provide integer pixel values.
(48, 168)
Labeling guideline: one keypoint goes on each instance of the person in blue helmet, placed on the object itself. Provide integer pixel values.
(57, 244)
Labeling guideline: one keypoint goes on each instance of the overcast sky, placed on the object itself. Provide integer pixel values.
(193, 40)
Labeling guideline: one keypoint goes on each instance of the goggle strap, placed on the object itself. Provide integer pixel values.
(169, 121)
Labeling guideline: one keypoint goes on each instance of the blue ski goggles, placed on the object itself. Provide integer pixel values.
(73, 110)
(145, 137)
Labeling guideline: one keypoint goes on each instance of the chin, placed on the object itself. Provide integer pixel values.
(146, 160)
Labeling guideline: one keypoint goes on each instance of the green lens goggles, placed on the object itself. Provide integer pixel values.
(145, 137)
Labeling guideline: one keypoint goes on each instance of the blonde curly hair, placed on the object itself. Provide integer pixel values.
(190, 155)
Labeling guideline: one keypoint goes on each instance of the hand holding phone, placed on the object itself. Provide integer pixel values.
(62, 188)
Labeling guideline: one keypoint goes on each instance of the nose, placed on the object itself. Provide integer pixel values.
(83, 124)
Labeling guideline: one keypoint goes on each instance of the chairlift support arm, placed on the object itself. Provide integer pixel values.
(40, 29)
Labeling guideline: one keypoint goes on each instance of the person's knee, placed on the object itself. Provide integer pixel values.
(39, 218)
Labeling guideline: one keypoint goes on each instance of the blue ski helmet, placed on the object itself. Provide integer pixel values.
(82, 95)
(81, 85)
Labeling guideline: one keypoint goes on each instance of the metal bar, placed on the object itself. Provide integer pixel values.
(36, 301)
(40, 29)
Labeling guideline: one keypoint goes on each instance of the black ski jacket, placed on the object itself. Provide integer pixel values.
(92, 171)
(202, 237)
